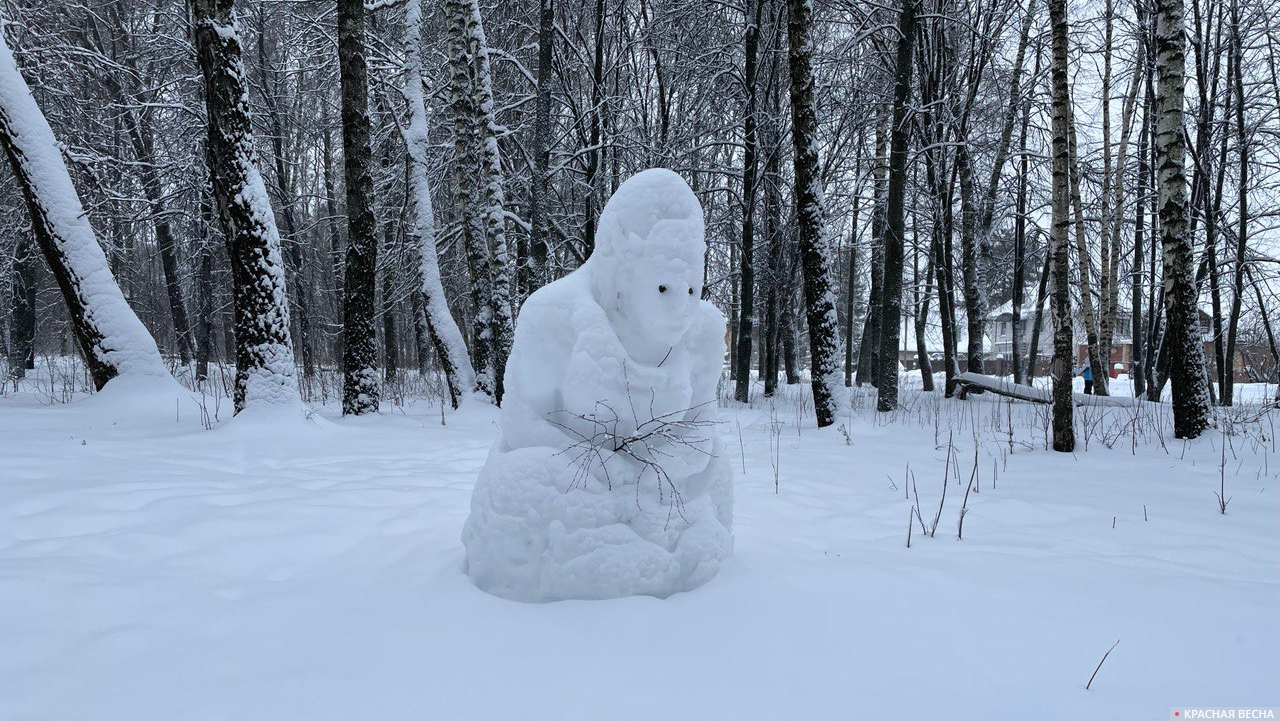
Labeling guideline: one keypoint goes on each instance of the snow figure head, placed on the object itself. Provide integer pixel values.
(648, 259)
(609, 478)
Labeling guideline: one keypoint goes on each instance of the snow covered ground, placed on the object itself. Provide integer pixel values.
(153, 569)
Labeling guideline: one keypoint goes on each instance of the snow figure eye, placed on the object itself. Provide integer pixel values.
(662, 289)
(691, 291)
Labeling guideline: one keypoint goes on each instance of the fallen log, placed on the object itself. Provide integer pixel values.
(970, 382)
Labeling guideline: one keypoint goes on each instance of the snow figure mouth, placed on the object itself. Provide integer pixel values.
(607, 479)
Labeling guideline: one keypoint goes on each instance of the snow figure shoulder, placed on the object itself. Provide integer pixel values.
(608, 478)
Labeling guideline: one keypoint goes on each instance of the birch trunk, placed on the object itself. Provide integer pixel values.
(1186, 351)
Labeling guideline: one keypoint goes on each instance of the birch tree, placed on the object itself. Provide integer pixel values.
(1064, 439)
(478, 175)
(1186, 350)
(446, 337)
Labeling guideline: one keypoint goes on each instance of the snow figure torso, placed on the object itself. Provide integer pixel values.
(608, 478)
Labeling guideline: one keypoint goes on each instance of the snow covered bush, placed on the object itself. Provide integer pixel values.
(608, 479)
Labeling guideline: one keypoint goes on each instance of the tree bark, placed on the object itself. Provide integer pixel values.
(535, 266)
(746, 276)
(1060, 300)
(1226, 397)
(895, 225)
(815, 262)
(361, 382)
(478, 171)
(22, 339)
(441, 328)
(111, 336)
(265, 372)
(1186, 352)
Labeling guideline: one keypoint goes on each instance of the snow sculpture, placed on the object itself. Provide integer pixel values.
(608, 479)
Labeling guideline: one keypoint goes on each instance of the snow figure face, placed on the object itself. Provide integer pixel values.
(648, 260)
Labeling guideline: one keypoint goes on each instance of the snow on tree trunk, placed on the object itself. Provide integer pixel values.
(1064, 439)
(1186, 350)
(478, 169)
(113, 339)
(361, 382)
(265, 371)
(895, 226)
(443, 330)
(815, 260)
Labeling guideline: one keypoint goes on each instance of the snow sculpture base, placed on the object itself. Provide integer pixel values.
(608, 479)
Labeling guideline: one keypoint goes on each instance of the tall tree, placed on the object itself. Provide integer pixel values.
(1226, 397)
(113, 340)
(812, 242)
(746, 277)
(478, 173)
(361, 382)
(1182, 334)
(534, 267)
(265, 371)
(1064, 439)
(895, 227)
(446, 337)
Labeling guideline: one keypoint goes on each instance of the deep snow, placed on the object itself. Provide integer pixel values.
(150, 569)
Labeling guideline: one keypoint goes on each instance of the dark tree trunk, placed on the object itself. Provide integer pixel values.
(895, 223)
(264, 351)
(361, 387)
(390, 336)
(1242, 209)
(1138, 330)
(204, 279)
(594, 152)
(851, 302)
(204, 302)
(534, 268)
(922, 320)
(422, 337)
(1033, 353)
(774, 239)
(22, 340)
(1020, 243)
(747, 298)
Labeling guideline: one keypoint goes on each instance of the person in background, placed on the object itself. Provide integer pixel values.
(1087, 372)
